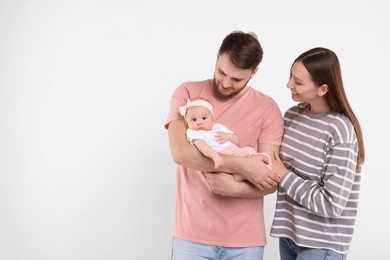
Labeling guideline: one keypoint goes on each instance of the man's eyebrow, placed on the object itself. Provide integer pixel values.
(238, 79)
(221, 71)
(235, 79)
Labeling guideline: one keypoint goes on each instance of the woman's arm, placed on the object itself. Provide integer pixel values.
(330, 197)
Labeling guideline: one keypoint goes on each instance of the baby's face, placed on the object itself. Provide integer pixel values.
(199, 118)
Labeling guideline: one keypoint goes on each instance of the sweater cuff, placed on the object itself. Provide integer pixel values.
(288, 178)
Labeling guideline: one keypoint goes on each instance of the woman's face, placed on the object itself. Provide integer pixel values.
(301, 85)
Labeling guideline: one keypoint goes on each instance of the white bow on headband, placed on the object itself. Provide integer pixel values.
(195, 103)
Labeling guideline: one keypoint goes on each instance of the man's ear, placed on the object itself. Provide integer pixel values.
(254, 71)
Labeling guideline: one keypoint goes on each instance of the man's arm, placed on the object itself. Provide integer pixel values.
(252, 167)
(184, 153)
(225, 184)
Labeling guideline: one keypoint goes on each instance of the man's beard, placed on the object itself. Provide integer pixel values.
(222, 95)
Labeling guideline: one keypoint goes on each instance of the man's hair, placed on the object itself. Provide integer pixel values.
(244, 49)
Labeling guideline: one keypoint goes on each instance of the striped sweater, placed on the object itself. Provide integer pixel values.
(317, 201)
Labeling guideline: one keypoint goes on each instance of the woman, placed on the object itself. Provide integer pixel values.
(319, 164)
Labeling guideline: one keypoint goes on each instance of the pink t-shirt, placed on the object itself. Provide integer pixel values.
(202, 216)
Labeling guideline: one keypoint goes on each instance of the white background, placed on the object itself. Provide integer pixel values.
(85, 165)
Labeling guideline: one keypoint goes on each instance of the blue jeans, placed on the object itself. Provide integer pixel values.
(187, 250)
(290, 251)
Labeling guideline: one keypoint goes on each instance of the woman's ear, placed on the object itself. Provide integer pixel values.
(323, 90)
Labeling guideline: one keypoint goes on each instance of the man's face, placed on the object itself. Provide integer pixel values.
(228, 79)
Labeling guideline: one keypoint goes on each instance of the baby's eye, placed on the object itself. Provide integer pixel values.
(193, 119)
(204, 118)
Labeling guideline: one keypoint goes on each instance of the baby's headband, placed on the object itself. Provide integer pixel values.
(195, 103)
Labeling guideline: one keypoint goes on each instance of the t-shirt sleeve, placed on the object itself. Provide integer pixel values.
(178, 98)
(272, 131)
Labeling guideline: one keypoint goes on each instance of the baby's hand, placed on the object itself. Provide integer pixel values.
(223, 137)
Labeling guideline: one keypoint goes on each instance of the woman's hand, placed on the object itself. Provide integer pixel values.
(278, 166)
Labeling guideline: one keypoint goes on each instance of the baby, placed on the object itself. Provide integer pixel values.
(209, 137)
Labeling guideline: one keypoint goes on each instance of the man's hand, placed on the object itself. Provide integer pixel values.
(255, 170)
(224, 184)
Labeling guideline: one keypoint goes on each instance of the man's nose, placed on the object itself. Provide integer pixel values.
(226, 82)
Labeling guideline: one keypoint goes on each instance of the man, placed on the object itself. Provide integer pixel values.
(216, 216)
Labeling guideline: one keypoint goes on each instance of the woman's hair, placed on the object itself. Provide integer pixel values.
(324, 68)
(244, 49)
